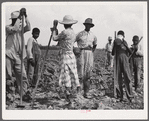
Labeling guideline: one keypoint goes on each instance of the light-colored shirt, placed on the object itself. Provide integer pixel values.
(139, 52)
(14, 40)
(66, 39)
(109, 47)
(85, 39)
(30, 46)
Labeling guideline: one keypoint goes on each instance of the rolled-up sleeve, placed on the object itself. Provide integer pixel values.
(29, 48)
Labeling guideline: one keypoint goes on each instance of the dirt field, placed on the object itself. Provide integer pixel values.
(50, 97)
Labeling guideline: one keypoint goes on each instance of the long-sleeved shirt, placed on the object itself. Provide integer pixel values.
(85, 39)
(14, 40)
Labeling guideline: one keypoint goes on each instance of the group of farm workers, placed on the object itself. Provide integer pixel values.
(72, 72)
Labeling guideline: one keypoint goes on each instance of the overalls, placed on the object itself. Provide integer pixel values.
(33, 71)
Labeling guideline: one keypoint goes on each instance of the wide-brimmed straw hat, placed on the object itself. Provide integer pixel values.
(68, 20)
(15, 14)
(88, 21)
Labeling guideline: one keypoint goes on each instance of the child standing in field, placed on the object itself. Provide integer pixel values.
(34, 55)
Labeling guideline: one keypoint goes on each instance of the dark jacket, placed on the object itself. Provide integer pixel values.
(119, 47)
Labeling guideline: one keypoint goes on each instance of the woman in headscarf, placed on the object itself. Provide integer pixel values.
(68, 68)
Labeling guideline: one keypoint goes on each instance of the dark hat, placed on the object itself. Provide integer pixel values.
(88, 21)
(121, 33)
(135, 38)
(35, 30)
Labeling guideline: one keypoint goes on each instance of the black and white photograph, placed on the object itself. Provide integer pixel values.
(74, 60)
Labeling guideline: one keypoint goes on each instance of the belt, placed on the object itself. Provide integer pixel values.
(86, 48)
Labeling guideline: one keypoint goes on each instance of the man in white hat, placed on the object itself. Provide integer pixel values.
(87, 42)
(13, 49)
(68, 68)
(108, 50)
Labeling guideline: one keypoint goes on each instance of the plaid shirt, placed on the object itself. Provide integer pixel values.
(68, 67)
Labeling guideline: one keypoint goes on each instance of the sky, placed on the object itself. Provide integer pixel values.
(108, 17)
